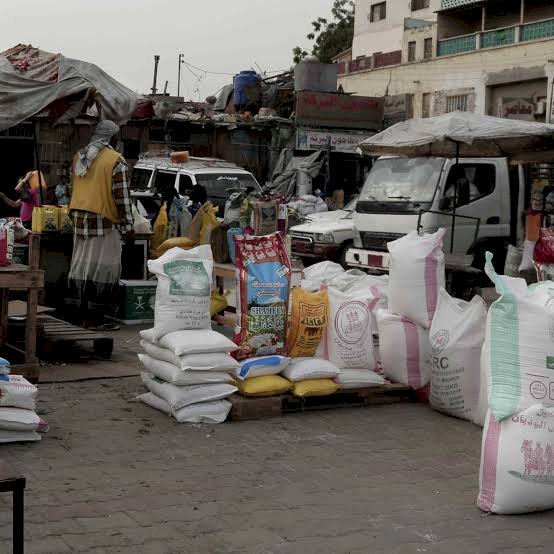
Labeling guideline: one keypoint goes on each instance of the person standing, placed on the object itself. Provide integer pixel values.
(101, 210)
(28, 189)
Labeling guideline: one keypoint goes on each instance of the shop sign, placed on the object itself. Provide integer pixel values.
(517, 108)
(321, 140)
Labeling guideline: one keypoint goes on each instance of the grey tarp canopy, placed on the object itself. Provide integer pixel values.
(467, 134)
(31, 80)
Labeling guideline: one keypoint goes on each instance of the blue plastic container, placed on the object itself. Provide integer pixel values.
(248, 89)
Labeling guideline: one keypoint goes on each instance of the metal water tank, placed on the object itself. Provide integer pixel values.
(248, 91)
(311, 74)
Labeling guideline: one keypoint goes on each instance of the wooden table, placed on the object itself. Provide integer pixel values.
(12, 481)
(29, 278)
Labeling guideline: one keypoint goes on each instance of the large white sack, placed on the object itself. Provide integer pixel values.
(215, 361)
(183, 291)
(322, 272)
(348, 338)
(483, 404)
(179, 397)
(405, 350)
(349, 379)
(520, 336)
(183, 343)
(457, 335)
(417, 273)
(261, 366)
(517, 463)
(203, 412)
(18, 436)
(176, 376)
(300, 369)
(17, 419)
(17, 392)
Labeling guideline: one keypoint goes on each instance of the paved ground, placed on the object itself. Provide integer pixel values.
(115, 476)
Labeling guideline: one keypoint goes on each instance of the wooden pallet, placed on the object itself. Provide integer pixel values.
(59, 337)
(244, 408)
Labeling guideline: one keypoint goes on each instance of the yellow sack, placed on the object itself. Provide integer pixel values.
(315, 387)
(65, 224)
(45, 218)
(160, 228)
(268, 385)
(218, 302)
(209, 223)
(309, 318)
(178, 242)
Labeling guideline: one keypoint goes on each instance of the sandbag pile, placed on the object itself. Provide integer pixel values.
(259, 376)
(517, 459)
(188, 368)
(18, 419)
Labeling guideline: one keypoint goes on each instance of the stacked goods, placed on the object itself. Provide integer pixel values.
(312, 377)
(18, 420)
(405, 350)
(457, 335)
(321, 273)
(260, 376)
(517, 461)
(263, 281)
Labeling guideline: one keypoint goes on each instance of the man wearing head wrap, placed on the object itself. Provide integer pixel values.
(101, 211)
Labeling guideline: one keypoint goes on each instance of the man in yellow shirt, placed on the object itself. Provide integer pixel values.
(101, 210)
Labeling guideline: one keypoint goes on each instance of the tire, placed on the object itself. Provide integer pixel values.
(344, 249)
(499, 252)
(307, 262)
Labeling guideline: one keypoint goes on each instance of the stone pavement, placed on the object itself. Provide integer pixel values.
(115, 476)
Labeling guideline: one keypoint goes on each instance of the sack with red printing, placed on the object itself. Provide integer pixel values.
(263, 283)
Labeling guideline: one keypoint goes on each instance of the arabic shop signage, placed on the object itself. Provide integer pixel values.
(517, 108)
(321, 140)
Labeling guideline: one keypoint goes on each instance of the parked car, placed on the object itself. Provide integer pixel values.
(324, 236)
(152, 174)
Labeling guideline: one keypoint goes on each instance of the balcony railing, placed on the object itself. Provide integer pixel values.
(368, 63)
(498, 37)
(449, 4)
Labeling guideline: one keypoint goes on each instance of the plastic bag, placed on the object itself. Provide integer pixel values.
(141, 225)
(160, 228)
(45, 218)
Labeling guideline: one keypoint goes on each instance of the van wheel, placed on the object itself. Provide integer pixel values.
(307, 262)
(344, 250)
(499, 251)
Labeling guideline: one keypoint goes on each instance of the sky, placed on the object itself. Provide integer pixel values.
(122, 36)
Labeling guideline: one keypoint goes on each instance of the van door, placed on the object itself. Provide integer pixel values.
(480, 194)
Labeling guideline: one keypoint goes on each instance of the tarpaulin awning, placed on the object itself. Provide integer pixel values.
(469, 134)
(33, 80)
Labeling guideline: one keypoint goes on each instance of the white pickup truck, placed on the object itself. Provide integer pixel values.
(401, 195)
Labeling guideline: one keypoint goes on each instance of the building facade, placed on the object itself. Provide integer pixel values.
(491, 57)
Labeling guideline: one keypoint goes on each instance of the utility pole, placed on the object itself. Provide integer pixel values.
(156, 62)
(181, 61)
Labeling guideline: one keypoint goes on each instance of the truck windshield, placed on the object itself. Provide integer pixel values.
(400, 184)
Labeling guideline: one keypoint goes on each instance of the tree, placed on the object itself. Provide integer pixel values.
(330, 37)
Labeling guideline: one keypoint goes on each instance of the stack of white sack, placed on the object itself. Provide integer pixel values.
(188, 366)
(517, 459)
(18, 419)
(416, 275)
(312, 377)
(259, 376)
(189, 374)
(308, 204)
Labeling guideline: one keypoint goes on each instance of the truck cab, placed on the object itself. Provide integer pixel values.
(400, 195)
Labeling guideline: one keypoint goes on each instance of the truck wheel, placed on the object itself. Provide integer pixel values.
(307, 262)
(499, 251)
(344, 250)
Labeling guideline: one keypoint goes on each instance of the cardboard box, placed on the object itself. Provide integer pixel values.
(136, 302)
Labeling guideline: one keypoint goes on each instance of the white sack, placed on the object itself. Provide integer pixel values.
(483, 404)
(517, 463)
(18, 393)
(203, 412)
(527, 263)
(261, 366)
(405, 350)
(349, 379)
(183, 343)
(457, 335)
(348, 338)
(183, 291)
(322, 272)
(17, 419)
(520, 335)
(416, 274)
(179, 397)
(301, 369)
(215, 361)
(18, 436)
(176, 376)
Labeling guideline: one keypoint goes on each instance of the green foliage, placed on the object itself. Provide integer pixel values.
(330, 37)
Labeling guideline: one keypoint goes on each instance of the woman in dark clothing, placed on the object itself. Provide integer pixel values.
(198, 197)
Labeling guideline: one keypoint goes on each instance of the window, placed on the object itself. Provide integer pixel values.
(474, 181)
(419, 5)
(411, 51)
(456, 103)
(426, 105)
(140, 178)
(185, 185)
(428, 49)
(378, 12)
(164, 180)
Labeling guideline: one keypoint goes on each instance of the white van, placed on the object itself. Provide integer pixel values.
(152, 174)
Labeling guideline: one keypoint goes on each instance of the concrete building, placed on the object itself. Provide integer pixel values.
(492, 57)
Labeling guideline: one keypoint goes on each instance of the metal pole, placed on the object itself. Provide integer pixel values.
(37, 162)
(455, 199)
(179, 75)
(156, 62)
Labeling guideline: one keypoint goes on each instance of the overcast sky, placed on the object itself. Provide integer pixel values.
(122, 36)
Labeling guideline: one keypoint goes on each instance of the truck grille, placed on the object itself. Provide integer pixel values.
(378, 241)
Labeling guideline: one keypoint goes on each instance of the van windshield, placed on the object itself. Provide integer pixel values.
(140, 178)
(400, 184)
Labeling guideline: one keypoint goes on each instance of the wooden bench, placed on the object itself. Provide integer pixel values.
(12, 481)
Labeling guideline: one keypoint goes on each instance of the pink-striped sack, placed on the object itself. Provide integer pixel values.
(517, 463)
(416, 273)
(405, 350)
